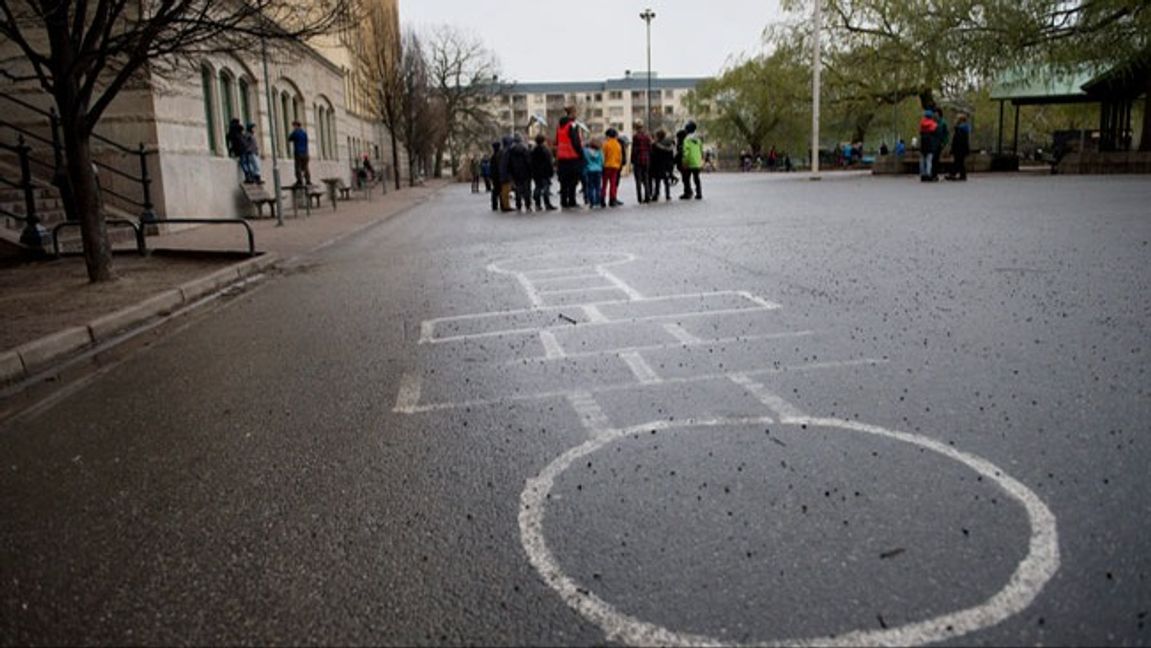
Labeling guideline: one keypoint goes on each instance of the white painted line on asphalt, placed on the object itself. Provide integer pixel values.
(545, 280)
(594, 315)
(427, 331)
(617, 387)
(694, 342)
(590, 413)
(759, 300)
(576, 290)
(680, 333)
(632, 293)
(408, 399)
(760, 304)
(530, 290)
(783, 409)
(642, 370)
(551, 346)
(1030, 576)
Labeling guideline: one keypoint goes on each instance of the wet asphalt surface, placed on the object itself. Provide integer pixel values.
(247, 478)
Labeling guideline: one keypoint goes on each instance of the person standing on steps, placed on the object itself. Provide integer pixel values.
(299, 140)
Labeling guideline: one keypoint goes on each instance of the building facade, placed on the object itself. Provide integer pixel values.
(182, 120)
(611, 103)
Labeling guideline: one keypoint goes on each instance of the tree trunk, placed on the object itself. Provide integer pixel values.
(926, 98)
(438, 164)
(1145, 138)
(395, 158)
(412, 168)
(85, 197)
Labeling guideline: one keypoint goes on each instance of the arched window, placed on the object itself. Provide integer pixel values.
(206, 86)
(286, 116)
(227, 97)
(245, 96)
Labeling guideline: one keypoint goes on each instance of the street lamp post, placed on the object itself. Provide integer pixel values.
(816, 65)
(647, 17)
(272, 132)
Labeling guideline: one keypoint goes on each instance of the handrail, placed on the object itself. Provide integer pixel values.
(141, 247)
(25, 132)
(57, 166)
(49, 115)
(217, 221)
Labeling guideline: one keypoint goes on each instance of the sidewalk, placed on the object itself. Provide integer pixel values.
(49, 312)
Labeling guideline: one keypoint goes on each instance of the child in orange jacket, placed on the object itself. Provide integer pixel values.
(614, 160)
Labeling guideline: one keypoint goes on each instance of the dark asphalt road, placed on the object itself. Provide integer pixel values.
(657, 408)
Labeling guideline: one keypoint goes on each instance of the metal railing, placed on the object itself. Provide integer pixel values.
(33, 234)
(140, 234)
(141, 178)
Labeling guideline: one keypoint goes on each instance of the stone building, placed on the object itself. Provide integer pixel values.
(181, 124)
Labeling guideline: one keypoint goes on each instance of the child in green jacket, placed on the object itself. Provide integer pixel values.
(692, 162)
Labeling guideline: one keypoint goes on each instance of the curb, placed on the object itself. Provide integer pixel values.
(26, 360)
(35, 356)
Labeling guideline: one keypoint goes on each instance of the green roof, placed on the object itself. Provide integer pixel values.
(1041, 85)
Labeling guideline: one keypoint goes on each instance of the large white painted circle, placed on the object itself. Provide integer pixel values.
(1028, 579)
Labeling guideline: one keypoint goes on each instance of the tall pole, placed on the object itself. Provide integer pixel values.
(647, 17)
(816, 65)
(272, 131)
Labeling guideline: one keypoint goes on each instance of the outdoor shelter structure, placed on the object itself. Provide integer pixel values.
(1115, 90)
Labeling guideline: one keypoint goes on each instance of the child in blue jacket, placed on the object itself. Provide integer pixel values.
(593, 158)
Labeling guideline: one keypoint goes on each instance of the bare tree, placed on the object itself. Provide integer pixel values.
(84, 53)
(381, 61)
(461, 72)
(421, 113)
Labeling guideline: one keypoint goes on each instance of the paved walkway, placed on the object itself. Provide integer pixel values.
(51, 312)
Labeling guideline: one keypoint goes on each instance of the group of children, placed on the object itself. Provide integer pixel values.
(594, 169)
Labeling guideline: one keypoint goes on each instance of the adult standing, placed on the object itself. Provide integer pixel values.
(494, 176)
(299, 140)
(520, 166)
(569, 157)
(679, 137)
(542, 172)
(960, 147)
(504, 166)
(940, 140)
(641, 163)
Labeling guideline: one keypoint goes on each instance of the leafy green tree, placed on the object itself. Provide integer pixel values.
(757, 103)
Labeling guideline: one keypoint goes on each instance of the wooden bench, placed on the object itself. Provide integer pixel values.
(311, 192)
(336, 187)
(258, 197)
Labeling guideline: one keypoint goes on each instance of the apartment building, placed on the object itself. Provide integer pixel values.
(612, 103)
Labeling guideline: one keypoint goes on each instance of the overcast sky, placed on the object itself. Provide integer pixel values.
(586, 40)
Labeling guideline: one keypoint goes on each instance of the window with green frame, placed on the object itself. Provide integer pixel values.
(244, 91)
(206, 82)
(227, 98)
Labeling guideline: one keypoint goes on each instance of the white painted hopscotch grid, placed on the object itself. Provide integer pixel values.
(600, 337)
